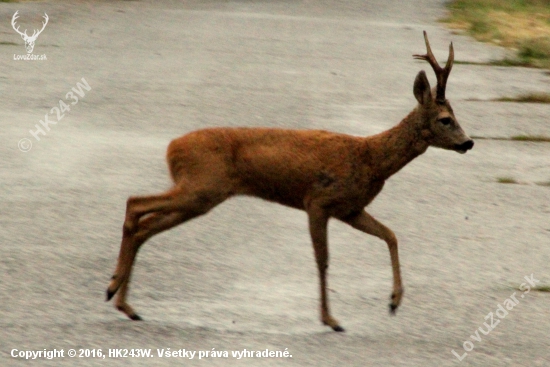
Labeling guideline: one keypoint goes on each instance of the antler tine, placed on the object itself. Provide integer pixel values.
(43, 24)
(451, 59)
(13, 19)
(15, 16)
(442, 81)
(441, 73)
(429, 57)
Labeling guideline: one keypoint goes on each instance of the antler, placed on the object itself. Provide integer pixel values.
(24, 34)
(35, 35)
(13, 19)
(441, 73)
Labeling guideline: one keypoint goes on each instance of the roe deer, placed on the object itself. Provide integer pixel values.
(323, 173)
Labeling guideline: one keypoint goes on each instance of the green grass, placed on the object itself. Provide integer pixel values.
(477, 137)
(4, 43)
(544, 183)
(532, 138)
(540, 288)
(527, 98)
(537, 288)
(522, 98)
(528, 138)
(523, 25)
(506, 180)
(502, 62)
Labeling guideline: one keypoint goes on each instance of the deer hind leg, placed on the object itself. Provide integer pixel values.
(148, 227)
(366, 223)
(318, 221)
(147, 216)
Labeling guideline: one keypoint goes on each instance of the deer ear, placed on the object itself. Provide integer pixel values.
(421, 89)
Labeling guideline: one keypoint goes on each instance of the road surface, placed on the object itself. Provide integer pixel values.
(244, 277)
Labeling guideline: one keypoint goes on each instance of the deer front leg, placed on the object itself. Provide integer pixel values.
(318, 221)
(366, 223)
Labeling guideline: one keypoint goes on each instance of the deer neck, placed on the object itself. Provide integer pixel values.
(391, 150)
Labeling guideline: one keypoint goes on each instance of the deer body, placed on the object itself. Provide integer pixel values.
(285, 166)
(326, 174)
(293, 167)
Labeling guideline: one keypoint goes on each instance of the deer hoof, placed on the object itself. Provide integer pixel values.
(110, 295)
(329, 321)
(338, 328)
(396, 297)
(128, 311)
(392, 309)
(135, 317)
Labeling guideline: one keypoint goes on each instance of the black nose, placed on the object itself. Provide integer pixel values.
(467, 145)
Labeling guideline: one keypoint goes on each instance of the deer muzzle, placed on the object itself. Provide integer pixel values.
(464, 147)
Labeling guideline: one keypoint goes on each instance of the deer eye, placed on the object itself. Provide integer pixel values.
(445, 120)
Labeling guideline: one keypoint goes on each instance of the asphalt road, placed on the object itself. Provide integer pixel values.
(243, 277)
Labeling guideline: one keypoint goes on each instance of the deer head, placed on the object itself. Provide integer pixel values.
(442, 130)
(29, 40)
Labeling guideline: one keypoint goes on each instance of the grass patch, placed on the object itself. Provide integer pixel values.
(533, 138)
(538, 288)
(529, 138)
(544, 183)
(4, 43)
(506, 180)
(523, 25)
(476, 137)
(522, 98)
(526, 98)
(503, 62)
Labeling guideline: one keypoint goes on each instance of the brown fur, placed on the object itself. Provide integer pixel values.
(328, 175)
